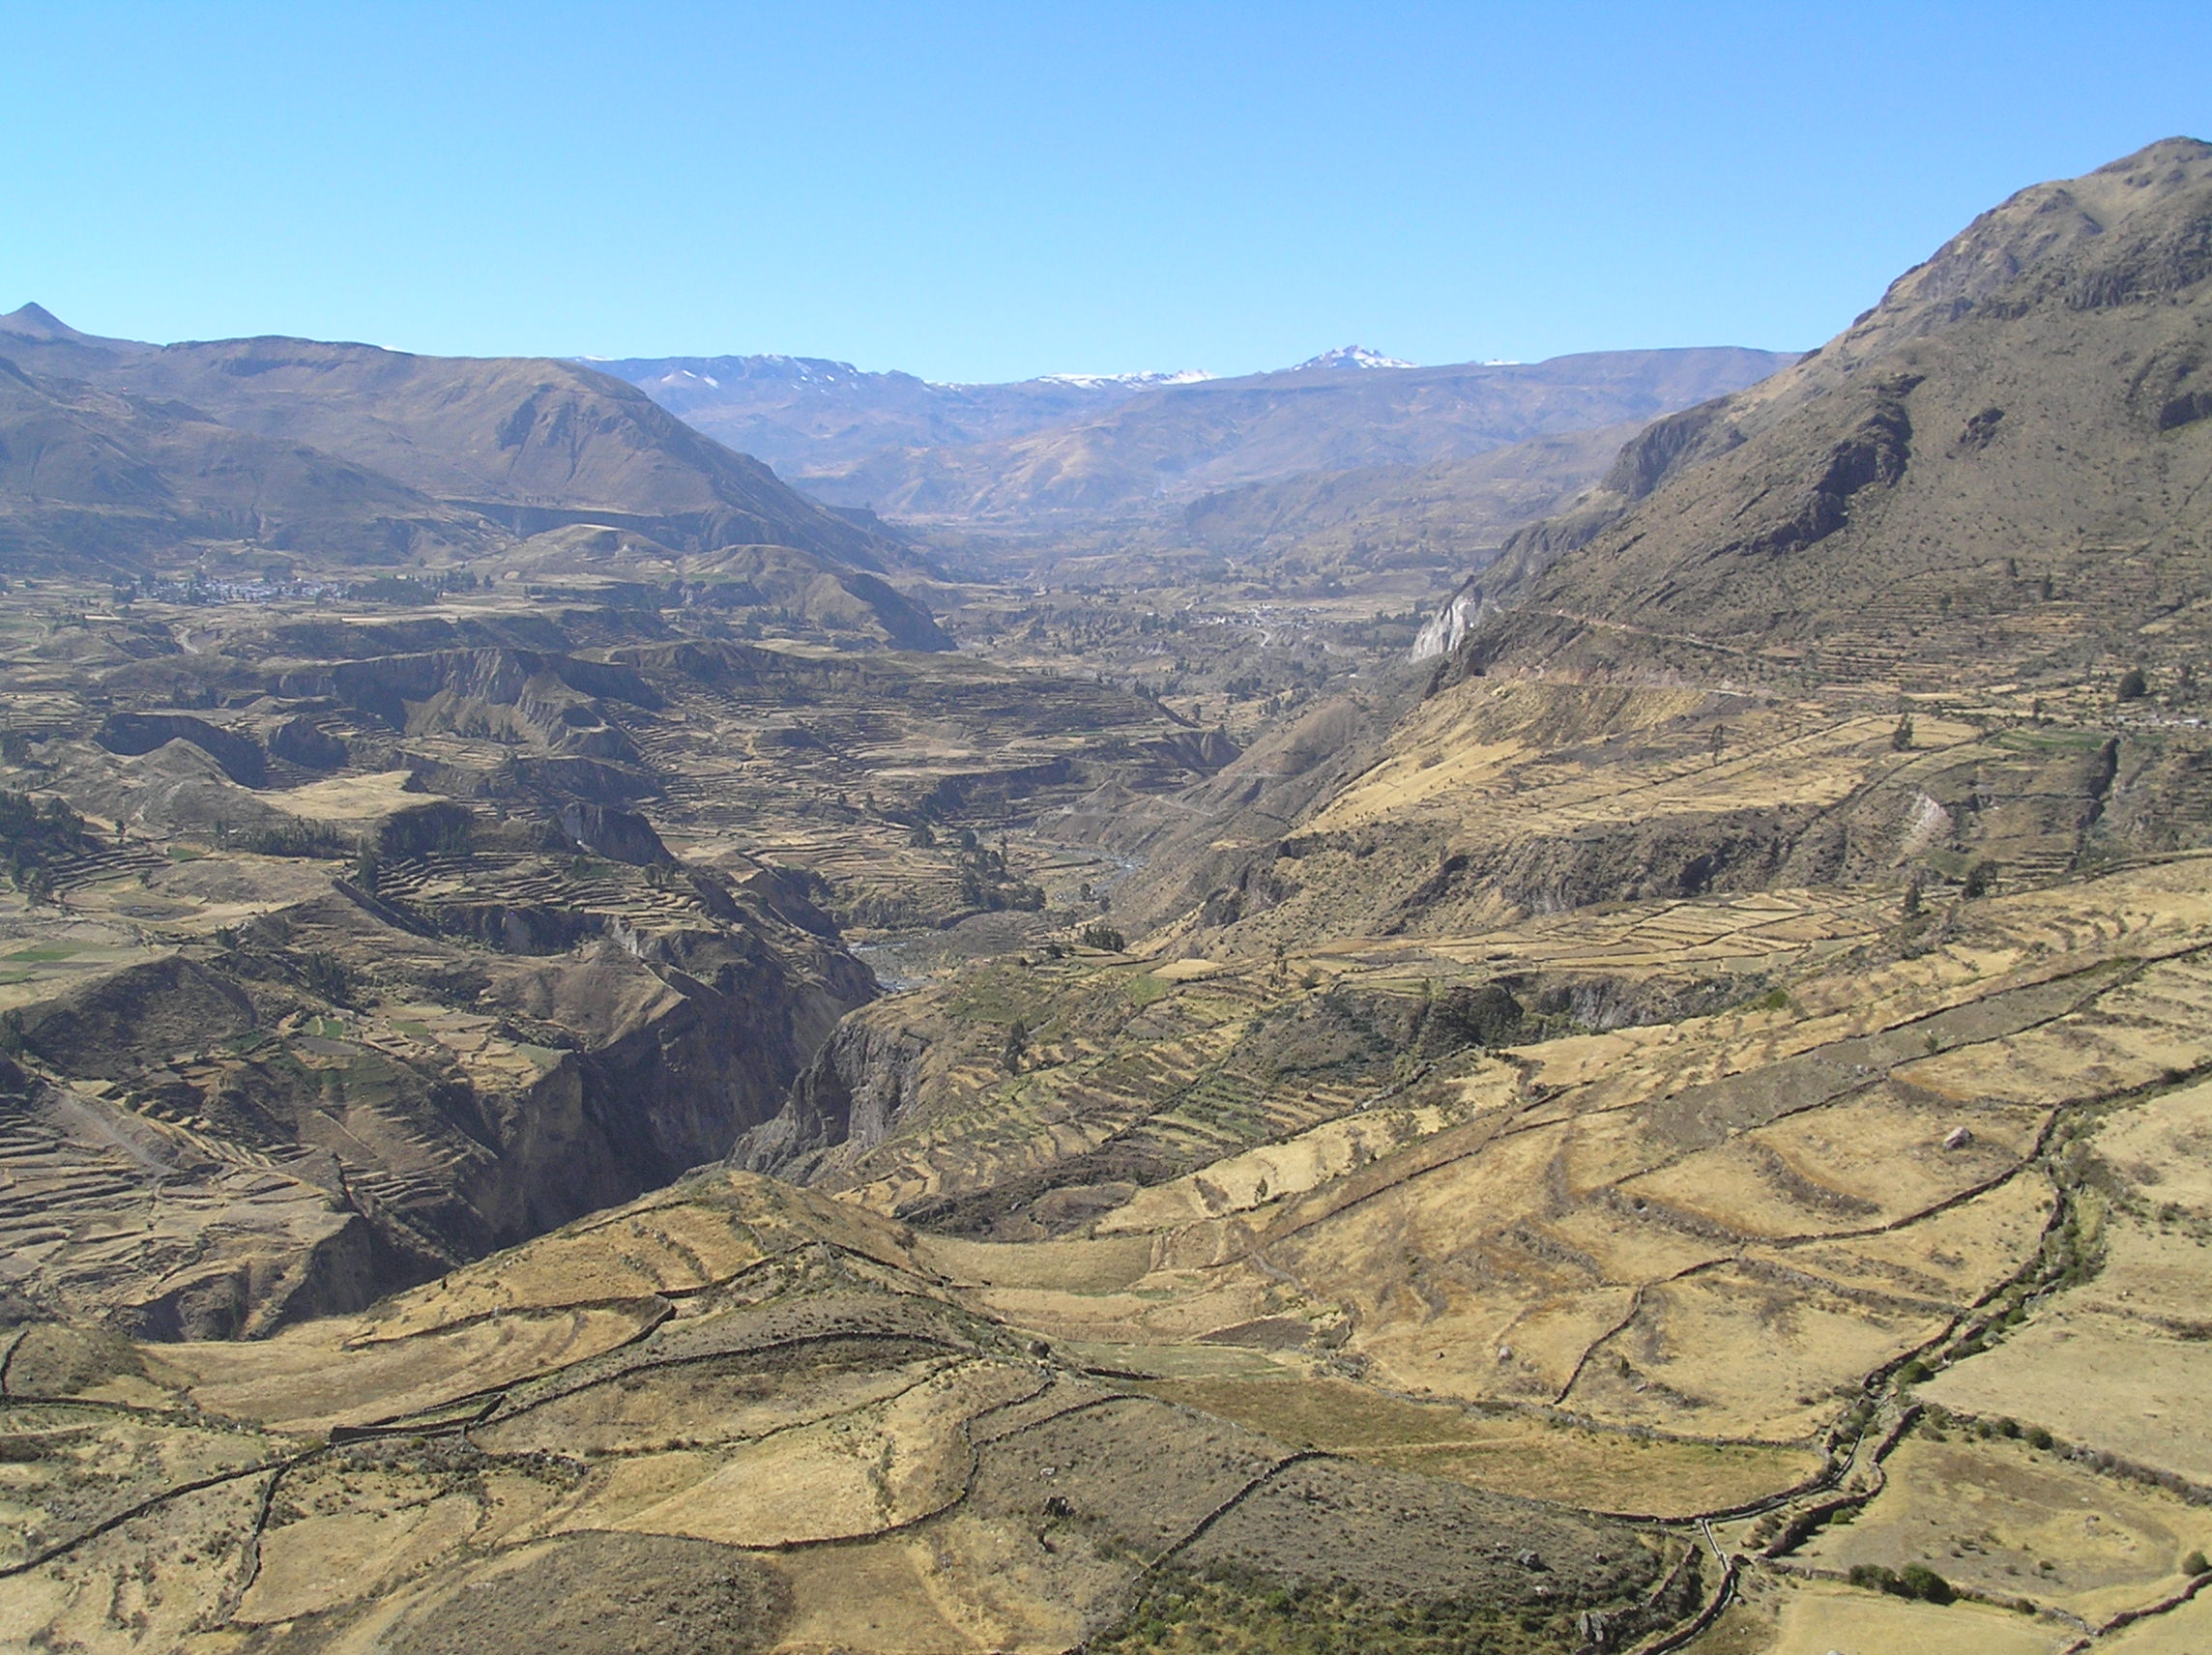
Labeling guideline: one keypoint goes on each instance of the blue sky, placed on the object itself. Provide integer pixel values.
(984, 192)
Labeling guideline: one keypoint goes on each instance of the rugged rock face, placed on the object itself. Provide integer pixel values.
(355, 946)
(859, 1084)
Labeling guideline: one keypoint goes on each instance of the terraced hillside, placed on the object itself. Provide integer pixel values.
(732, 1413)
(1767, 1266)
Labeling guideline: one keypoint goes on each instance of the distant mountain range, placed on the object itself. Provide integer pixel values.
(114, 447)
(1080, 449)
(806, 414)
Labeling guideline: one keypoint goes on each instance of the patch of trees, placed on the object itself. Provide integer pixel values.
(34, 833)
(987, 882)
(1914, 1581)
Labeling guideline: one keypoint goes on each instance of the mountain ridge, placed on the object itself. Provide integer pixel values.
(534, 442)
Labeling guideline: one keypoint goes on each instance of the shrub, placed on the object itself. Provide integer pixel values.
(2196, 1563)
(1914, 1581)
(2134, 686)
(293, 840)
(1980, 879)
(326, 975)
(2038, 1438)
(1917, 1581)
(1104, 938)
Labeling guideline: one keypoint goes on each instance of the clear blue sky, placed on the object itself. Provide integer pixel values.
(981, 191)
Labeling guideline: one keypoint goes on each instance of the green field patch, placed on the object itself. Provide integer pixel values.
(1318, 1412)
(2049, 741)
(1145, 988)
(1505, 1452)
(44, 953)
(1599, 1471)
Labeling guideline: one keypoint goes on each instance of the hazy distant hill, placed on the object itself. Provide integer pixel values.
(529, 443)
(1369, 511)
(2016, 440)
(1173, 443)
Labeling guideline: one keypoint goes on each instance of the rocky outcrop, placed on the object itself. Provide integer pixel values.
(859, 1084)
(132, 734)
(552, 699)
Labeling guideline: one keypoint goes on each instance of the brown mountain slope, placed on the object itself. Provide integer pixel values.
(90, 474)
(2021, 419)
(1984, 507)
(1460, 499)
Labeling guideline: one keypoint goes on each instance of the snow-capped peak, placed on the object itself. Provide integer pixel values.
(1350, 355)
(1135, 381)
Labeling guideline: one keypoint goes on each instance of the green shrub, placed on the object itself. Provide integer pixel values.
(2196, 1563)
(1914, 1581)
(1918, 1581)
(326, 975)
